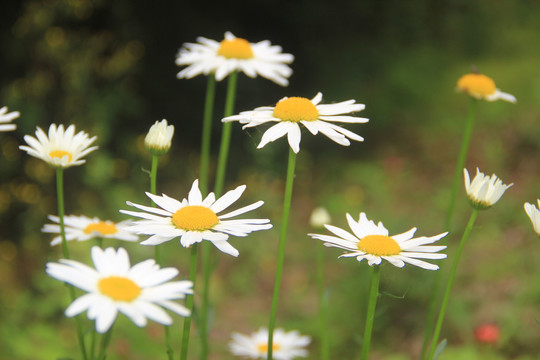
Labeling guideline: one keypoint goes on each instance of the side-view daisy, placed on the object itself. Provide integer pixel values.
(286, 345)
(234, 54)
(371, 242)
(138, 291)
(534, 215)
(82, 228)
(482, 87)
(6, 118)
(195, 219)
(484, 191)
(292, 111)
(60, 148)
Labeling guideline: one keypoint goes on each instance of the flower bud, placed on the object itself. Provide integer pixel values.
(158, 139)
(319, 217)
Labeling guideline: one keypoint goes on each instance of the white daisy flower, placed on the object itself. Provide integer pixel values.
(158, 139)
(234, 54)
(195, 219)
(82, 228)
(371, 242)
(484, 191)
(290, 112)
(138, 291)
(286, 345)
(534, 215)
(60, 148)
(482, 87)
(6, 117)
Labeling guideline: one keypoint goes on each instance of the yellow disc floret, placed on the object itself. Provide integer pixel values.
(379, 245)
(195, 218)
(296, 109)
(263, 348)
(477, 85)
(60, 154)
(101, 227)
(119, 288)
(235, 49)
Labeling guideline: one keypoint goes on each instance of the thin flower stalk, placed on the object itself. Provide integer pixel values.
(65, 249)
(372, 304)
(207, 132)
(189, 302)
(218, 188)
(281, 250)
(446, 296)
(323, 306)
(462, 157)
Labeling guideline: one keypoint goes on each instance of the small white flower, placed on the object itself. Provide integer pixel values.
(290, 112)
(234, 54)
(285, 345)
(60, 148)
(158, 139)
(480, 86)
(371, 242)
(82, 228)
(319, 217)
(138, 291)
(6, 117)
(534, 215)
(484, 191)
(195, 219)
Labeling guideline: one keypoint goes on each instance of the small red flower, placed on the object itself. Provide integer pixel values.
(487, 333)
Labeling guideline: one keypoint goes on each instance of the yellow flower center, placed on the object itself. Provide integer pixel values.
(101, 227)
(119, 288)
(195, 218)
(60, 154)
(379, 245)
(296, 109)
(476, 85)
(263, 348)
(235, 49)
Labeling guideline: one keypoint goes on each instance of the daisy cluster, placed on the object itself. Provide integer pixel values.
(148, 290)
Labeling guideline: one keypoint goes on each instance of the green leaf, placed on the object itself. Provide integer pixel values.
(440, 349)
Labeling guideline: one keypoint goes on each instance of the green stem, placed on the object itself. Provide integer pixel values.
(446, 296)
(105, 340)
(281, 250)
(323, 306)
(458, 176)
(373, 295)
(207, 272)
(226, 134)
(189, 302)
(61, 214)
(93, 344)
(218, 188)
(207, 133)
(157, 249)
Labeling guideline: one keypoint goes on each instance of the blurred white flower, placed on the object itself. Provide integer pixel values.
(285, 345)
(484, 191)
(234, 54)
(290, 112)
(371, 242)
(138, 291)
(158, 139)
(480, 86)
(60, 148)
(195, 219)
(534, 214)
(319, 217)
(82, 228)
(6, 117)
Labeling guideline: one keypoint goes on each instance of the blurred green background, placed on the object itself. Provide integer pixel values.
(108, 67)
